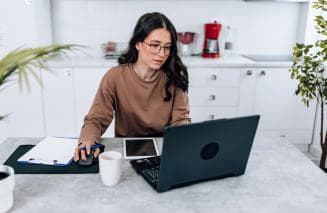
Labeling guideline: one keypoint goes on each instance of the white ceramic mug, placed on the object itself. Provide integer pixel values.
(7, 185)
(110, 167)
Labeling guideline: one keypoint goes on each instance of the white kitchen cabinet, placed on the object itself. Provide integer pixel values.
(214, 77)
(270, 92)
(213, 96)
(199, 113)
(87, 81)
(213, 93)
(59, 105)
(68, 94)
(24, 110)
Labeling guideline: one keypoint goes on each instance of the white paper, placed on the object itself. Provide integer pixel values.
(51, 151)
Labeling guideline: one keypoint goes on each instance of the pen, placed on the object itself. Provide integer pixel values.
(98, 145)
(46, 162)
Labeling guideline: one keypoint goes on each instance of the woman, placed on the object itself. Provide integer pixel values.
(146, 92)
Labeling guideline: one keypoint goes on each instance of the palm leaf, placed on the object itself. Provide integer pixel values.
(24, 61)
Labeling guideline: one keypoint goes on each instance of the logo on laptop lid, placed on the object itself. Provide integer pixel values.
(209, 151)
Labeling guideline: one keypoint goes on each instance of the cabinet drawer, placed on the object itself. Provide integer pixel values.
(213, 96)
(208, 113)
(214, 77)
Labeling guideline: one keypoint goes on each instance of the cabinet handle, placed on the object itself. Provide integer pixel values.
(249, 72)
(212, 97)
(211, 116)
(262, 73)
(68, 73)
(214, 77)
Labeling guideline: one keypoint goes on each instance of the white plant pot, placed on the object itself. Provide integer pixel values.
(7, 186)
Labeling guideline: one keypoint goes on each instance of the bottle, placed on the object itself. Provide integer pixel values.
(229, 42)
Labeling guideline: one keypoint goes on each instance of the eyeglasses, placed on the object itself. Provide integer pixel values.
(155, 48)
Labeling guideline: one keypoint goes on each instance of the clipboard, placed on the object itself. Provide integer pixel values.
(26, 168)
(52, 151)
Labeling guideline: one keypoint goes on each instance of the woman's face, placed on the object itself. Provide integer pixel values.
(155, 49)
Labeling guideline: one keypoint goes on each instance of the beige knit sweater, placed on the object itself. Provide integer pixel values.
(137, 105)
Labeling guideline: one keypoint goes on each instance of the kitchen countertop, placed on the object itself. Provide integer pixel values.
(194, 61)
(279, 178)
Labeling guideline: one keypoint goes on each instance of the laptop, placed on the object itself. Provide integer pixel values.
(199, 152)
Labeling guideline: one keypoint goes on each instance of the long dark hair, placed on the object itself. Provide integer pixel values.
(174, 69)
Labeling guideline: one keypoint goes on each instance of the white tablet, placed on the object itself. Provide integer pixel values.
(137, 148)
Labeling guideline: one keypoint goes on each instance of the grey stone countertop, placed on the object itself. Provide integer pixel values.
(278, 178)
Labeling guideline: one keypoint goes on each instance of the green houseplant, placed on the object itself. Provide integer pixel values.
(22, 62)
(309, 68)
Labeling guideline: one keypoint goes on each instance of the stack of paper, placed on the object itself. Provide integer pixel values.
(51, 151)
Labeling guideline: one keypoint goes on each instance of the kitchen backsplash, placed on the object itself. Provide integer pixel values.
(260, 27)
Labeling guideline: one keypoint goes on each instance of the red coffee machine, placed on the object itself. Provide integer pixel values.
(211, 35)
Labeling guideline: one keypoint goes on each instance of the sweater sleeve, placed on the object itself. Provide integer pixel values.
(181, 108)
(102, 110)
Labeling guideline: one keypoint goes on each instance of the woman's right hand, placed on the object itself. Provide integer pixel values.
(82, 153)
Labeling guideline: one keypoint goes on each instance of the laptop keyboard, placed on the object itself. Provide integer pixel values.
(152, 174)
(148, 168)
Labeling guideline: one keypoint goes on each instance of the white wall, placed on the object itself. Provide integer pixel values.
(261, 27)
(15, 28)
(24, 23)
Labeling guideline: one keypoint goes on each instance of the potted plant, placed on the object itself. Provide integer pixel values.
(24, 61)
(309, 68)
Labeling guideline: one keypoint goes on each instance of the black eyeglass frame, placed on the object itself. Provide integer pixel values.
(165, 48)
